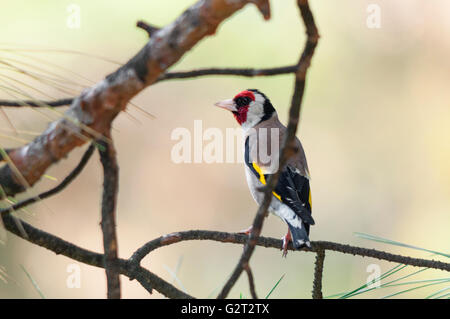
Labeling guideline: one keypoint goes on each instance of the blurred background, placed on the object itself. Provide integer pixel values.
(375, 126)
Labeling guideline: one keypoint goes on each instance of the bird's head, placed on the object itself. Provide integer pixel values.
(249, 107)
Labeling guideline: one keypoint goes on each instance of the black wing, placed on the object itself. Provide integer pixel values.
(295, 192)
(292, 188)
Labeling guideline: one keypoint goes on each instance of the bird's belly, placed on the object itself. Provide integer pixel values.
(253, 185)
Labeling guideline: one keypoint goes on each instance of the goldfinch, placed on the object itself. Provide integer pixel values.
(291, 200)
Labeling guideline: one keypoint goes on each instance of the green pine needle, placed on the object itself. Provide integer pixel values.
(415, 288)
(273, 288)
(385, 275)
(396, 243)
(437, 293)
(33, 282)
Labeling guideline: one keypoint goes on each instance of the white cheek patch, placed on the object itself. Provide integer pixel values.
(254, 115)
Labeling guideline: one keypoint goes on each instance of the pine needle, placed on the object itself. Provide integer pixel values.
(33, 282)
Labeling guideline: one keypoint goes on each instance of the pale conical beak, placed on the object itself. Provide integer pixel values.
(227, 105)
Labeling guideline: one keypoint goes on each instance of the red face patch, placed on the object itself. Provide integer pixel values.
(246, 93)
(241, 114)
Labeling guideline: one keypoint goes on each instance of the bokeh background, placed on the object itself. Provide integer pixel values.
(375, 125)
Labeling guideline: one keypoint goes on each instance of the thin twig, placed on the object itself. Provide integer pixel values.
(109, 203)
(267, 242)
(77, 170)
(36, 103)
(150, 29)
(246, 72)
(251, 281)
(318, 273)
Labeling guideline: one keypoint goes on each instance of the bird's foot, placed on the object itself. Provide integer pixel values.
(246, 231)
(286, 239)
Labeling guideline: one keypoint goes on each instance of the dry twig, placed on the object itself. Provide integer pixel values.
(318, 273)
(109, 203)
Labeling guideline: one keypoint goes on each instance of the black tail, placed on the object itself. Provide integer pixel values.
(299, 235)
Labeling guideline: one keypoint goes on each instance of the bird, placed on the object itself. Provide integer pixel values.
(262, 130)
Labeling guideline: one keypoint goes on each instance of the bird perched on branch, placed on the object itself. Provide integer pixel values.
(263, 136)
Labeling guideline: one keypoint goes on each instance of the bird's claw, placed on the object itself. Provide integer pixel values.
(286, 240)
(285, 247)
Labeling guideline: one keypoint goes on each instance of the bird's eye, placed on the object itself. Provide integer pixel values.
(242, 101)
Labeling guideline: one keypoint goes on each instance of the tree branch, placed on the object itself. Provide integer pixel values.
(108, 224)
(247, 72)
(251, 281)
(267, 242)
(318, 272)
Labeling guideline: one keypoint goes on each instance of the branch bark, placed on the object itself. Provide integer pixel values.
(251, 281)
(108, 224)
(36, 103)
(318, 273)
(267, 242)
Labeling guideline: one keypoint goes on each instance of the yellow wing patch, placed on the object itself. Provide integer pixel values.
(262, 178)
(309, 199)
